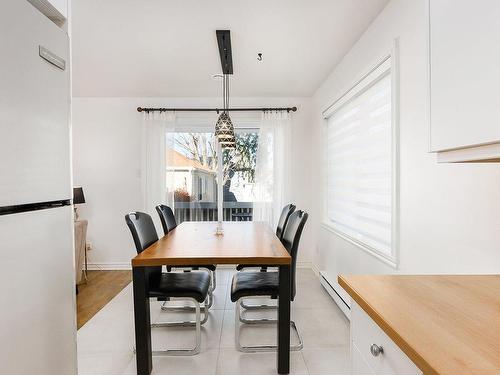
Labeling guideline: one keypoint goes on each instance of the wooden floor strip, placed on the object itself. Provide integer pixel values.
(101, 287)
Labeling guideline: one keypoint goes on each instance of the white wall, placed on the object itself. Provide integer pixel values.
(107, 161)
(449, 219)
(450, 213)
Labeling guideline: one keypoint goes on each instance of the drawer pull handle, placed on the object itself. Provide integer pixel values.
(376, 350)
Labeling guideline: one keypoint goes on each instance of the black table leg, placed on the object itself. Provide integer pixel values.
(142, 322)
(284, 320)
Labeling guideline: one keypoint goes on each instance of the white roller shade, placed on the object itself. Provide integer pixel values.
(359, 162)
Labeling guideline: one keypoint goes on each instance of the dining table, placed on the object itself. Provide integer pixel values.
(202, 243)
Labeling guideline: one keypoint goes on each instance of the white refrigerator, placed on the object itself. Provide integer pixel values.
(37, 282)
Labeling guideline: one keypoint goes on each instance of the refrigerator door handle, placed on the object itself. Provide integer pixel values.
(9, 210)
(52, 58)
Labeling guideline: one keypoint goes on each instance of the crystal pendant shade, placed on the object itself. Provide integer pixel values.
(224, 131)
(224, 127)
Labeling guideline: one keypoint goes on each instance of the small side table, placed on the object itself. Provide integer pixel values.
(80, 249)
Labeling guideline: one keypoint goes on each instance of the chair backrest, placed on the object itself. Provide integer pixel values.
(285, 214)
(144, 234)
(291, 239)
(167, 218)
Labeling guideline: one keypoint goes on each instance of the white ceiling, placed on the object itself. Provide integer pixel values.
(137, 48)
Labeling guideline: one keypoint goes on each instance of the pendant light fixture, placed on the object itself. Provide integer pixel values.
(224, 129)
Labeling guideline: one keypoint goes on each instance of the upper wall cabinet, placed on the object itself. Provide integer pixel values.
(464, 40)
(56, 10)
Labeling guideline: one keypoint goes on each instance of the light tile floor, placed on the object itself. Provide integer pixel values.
(106, 342)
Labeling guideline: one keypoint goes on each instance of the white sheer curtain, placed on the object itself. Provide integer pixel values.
(156, 126)
(272, 171)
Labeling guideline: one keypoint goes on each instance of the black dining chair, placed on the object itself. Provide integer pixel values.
(169, 223)
(167, 218)
(283, 220)
(193, 286)
(280, 228)
(266, 284)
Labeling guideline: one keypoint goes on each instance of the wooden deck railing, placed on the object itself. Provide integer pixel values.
(207, 211)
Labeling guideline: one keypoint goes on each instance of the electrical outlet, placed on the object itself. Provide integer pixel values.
(88, 246)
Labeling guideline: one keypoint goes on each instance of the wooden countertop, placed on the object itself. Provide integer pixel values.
(195, 243)
(447, 325)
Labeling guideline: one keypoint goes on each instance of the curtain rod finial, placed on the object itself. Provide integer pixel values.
(139, 109)
(294, 109)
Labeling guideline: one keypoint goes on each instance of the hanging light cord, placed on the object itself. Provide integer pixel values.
(227, 91)
(223, 95)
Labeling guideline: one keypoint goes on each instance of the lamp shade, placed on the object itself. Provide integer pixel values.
(78, 197)
(224, 127)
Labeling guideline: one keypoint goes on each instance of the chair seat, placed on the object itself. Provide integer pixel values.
(183, 284)
(248, 284)
(210, 267)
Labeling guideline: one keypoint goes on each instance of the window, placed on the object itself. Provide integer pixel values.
(200, 188)
(239, 174)
(192, 161)
(192, 175)
(361, 157)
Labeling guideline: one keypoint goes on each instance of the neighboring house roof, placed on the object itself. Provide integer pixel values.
(181, 161)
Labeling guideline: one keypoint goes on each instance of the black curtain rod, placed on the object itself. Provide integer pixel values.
(141, 109)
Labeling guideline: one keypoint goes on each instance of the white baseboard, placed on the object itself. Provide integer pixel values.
(117, 266)
(330, 288)
(109, 266)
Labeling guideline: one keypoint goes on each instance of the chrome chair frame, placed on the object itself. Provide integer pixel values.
(186, 323)
(197, 323)
(258, 348)
(262, 306)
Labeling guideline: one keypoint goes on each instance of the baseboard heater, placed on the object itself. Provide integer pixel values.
(341, 303)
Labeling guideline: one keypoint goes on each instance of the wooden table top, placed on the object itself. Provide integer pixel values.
(447, 325)
(195, 243)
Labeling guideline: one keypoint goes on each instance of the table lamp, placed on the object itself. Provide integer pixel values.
(78, 198)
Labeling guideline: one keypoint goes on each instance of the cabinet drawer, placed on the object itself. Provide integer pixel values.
(364, 333)
(358, 363)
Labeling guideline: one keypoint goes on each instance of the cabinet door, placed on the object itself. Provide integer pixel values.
(464, 73)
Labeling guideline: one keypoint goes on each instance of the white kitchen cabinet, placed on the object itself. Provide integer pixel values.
(365, 333)
(464, 37)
